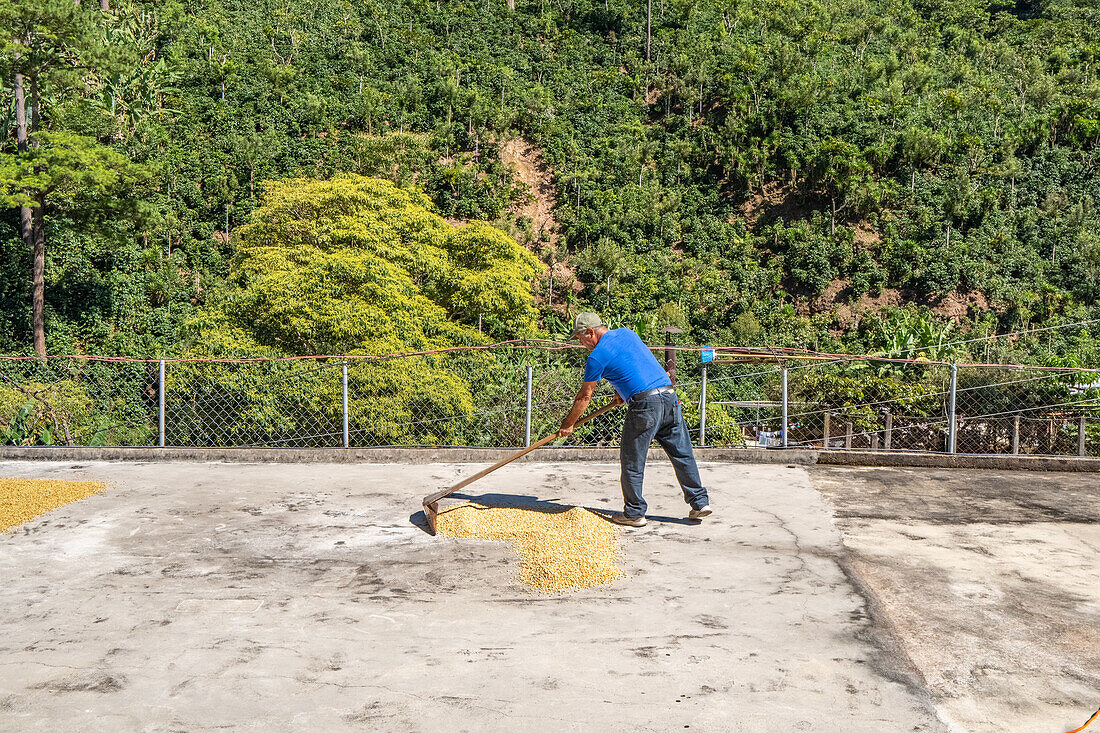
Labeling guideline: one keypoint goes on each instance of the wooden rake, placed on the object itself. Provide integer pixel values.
(431, 501)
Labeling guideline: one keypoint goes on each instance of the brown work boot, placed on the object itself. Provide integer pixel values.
(619, 518)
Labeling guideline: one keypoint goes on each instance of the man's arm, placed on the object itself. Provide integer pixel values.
(580, 404)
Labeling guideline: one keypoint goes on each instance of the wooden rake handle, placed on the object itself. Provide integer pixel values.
(432, 498)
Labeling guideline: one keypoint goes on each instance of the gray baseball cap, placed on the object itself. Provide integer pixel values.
(585, 321)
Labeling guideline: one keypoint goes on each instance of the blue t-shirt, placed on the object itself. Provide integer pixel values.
(622, 359)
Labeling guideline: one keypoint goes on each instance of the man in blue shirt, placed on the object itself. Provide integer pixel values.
(653, 411)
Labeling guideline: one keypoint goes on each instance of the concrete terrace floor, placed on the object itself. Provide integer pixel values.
(191, 597)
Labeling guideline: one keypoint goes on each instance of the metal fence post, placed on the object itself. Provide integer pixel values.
(825, 431)
(1015, 435)
(703, 410)
(785, 442)
(530, 383)
(951, 426)
(1081, 435)
(344, 382)
(160, 407)
(889, 438)
(670, 353)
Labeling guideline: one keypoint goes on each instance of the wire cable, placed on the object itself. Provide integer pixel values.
(777, 353)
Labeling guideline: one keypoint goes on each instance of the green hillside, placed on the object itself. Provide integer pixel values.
(789, 172)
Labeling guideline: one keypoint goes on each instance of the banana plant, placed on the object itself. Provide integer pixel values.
(17, 429)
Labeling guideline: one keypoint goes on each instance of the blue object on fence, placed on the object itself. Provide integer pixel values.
(769, 439)
(706, 355)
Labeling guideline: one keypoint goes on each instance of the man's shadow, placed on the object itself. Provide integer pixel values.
(532, 503)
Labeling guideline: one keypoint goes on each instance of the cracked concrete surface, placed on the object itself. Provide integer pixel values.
(987, 582)
(305, 597)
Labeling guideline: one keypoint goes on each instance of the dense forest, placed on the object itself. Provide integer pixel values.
(862, 175)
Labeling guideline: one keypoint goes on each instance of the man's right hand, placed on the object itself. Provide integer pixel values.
(580, 402)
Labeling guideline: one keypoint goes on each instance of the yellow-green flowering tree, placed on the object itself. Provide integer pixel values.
(358, 265)
(354, 266)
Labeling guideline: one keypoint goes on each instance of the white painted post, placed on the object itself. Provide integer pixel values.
(344, 380)
(530, 382)
(703, 411)
(951, 425)
(160, 407)
(785, 442)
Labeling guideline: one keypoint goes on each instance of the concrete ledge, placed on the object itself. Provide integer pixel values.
(382, 455)
(943, 460)
(797, 456)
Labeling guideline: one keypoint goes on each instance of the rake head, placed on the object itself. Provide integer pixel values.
(431, 510)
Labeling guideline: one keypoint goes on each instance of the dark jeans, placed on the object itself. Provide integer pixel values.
(657, 416)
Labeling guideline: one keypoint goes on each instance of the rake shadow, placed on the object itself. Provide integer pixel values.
(532, 503)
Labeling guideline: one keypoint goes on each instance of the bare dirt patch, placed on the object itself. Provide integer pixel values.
(837, 298)
(537, 175)
(887, 298)
(772, 201)
(956, 305)
(865, 234)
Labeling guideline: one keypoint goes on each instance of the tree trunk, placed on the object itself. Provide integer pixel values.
(26, 231)
(30, 227)
(20, 113)
(103, 5)
(38, 295)
(648, 26)
(511, 4)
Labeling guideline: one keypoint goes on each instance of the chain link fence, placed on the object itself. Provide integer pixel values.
(865, 404)
(512, 396)
(78, 402)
